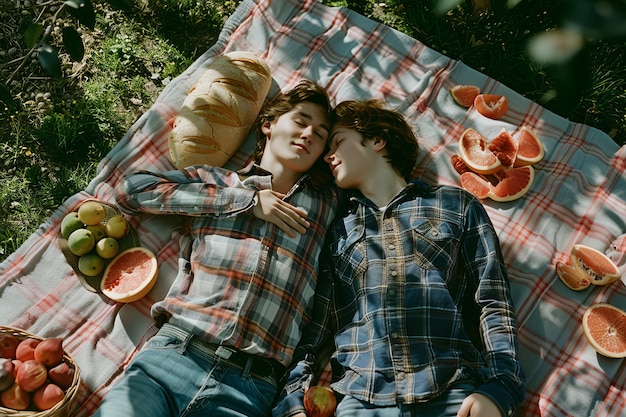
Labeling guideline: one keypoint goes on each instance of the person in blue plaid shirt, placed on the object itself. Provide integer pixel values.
(416, 296)
(232, 318)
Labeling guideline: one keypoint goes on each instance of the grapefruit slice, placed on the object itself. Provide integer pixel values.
(529, 148)
(491, 105)
(504, 148)
(459, 165)
(513, 184)
(474, 152)
(476, 184)
(599, 268)
(605, 328)
(130, 275)
(572, 277)
(464, 95)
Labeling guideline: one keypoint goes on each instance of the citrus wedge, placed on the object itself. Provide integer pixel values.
(599, 268)
(464, 95)
(605, 328)
(475, 184)
(475, 153)
(504, 148)
(572, 277)
(513, 184)
(130, 275)
(529, 148)
(491, 105)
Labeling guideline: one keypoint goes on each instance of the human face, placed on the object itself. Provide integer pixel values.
(350, 157)
(296, 139)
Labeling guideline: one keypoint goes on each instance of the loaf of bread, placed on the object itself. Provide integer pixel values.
(219, 110)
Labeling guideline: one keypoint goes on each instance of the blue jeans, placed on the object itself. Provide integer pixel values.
(445, 405)
(167, 378)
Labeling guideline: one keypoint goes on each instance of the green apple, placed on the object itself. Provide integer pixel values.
(80, 242)
(107, 247)
(90, 264)
(70, 223)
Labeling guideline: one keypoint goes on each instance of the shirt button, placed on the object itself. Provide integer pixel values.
(435, 233)
(392, 247)
(394, 273)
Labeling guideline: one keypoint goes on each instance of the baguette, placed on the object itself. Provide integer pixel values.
(219, 110)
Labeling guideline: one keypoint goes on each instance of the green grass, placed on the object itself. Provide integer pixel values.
(52, 141)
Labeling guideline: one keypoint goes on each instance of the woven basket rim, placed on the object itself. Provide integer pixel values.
(62, 408)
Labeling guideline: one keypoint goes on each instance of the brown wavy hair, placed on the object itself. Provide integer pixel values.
(374, 121)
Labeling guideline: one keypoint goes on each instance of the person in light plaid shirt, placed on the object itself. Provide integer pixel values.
(244, 290)
(417, 296)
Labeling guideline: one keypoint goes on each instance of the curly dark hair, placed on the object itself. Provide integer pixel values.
(373, 120)
(305, 90)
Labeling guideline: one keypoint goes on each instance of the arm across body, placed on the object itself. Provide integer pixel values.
(193, 191)
(206, 190)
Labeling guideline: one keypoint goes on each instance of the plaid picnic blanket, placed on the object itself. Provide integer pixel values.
(578, 196)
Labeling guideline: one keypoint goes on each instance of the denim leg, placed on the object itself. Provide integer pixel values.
(351, 407)
(167, 378)
(158, 382)
(445, 405)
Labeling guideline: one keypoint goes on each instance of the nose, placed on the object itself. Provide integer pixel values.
(328, 158)
(307, 133)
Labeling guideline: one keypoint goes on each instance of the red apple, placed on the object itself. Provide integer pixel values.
(31, 375)
(62, 375)
(26, 349)
(49, 351)
(8, 345)
(47, 396)
(15, 398)
(320, 401)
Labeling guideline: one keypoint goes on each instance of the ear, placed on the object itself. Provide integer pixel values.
(379, 144)
(266, 128)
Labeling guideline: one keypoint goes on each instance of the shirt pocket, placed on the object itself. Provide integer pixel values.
(434, 243)
(349, 255)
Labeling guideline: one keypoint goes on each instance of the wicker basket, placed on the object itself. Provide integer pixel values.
(62, 409)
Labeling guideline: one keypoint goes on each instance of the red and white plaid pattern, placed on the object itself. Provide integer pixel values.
(578, 196)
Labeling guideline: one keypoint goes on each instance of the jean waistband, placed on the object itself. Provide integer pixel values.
(257, 366)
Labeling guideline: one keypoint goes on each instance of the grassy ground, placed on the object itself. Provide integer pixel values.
(58, 130)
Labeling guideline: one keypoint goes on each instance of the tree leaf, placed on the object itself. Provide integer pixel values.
(49, 61)
(73, 43)
(32, 34)
(125, 5)
(83, 11)
(6, 97)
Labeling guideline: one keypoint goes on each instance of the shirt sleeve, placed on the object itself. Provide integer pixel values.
(193, 191)
(314, 349)
(504, 379)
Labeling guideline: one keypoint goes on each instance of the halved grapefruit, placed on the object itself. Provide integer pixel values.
(475, 153)
(605, 328)
(599, 268)
(529, 148)
(513, 184)
(504, 148)
(130, 275)
(476, 184)
(491, 105)
(572, 277)
(464, 95)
